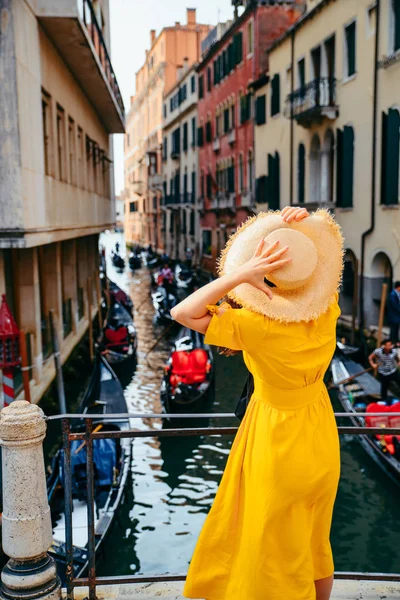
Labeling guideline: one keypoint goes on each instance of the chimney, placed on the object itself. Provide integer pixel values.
(152, 36)
(191, 16)
(185, 64)
(179, 72)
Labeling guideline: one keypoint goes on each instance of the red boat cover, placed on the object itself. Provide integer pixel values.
(116, 336)
(189, 367)
(374, 421)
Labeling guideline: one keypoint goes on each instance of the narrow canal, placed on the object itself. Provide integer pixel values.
(174, 480)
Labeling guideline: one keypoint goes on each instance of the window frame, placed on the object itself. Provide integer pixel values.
(47, 124)
(346, 75)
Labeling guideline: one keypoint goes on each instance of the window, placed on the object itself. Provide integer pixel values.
(217, 125)
(193, 132)
(238, 48)
(275, 95)
(165, 149)
(176, 142)
(194, 187)
(301, 172)
(192, 222)
(261, 114)
(206, 242)
(200, 137)
(395, 24)
(47, 138)
(390, 157)
(251, 171)
(185, 137)
(132, 207)
(209, 79)
(165, 113)
(233, 120)
(241, 181)
(250, 37)
(201, 87)
(350, 49)
(193, 84)
(301, 74)
(345, 167)
(80, 154)
(261, 190)
(371, 21)
(209, 185)
(61, 167)
(208, 132)
(226, 120)
(183, 213)
(231, 178)
(185, 188)
(245, 104)
(273, 182)
(72, 151)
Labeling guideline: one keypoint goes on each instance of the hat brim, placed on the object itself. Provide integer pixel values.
(302, 304)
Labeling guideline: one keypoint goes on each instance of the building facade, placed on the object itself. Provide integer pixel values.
(225, 117)
(60, 100)
(169, 51)
(181, 225)
(330, 135)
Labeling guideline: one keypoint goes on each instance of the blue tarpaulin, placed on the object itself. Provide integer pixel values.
(104, 458)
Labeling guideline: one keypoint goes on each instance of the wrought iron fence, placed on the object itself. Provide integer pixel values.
(89, 435)
(319, 93)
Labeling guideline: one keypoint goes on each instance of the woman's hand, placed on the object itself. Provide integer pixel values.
(264, 261)
(294, 213)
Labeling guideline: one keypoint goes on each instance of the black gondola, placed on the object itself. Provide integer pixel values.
(117, 261)
(362, 394)
(189, 373)
(111, 458)
(119, 339)
(117, 295)
(135, 261)
(162, 307)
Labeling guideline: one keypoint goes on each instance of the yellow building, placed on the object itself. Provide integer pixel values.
(327, 134)
(59, 105)
(173, 48)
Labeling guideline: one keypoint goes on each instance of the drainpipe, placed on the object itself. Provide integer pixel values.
(291, 118)
(373, 170)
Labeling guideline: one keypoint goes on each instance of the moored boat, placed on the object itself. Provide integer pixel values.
(117, 261)
(111, 458)
(188, 374)
(362, 394)
(119, 340)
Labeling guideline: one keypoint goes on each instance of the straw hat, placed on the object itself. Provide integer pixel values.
(305, 287)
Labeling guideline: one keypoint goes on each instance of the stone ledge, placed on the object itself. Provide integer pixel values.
(343, 590)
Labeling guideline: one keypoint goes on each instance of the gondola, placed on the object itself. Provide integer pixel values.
(119, 338)
(118, 295)
(111, 458)
(117, 261)
(135, 261)
(162, 307)
(188, 377)
(362, 394)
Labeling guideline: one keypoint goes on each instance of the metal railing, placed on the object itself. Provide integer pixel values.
(89, 435)
(88, 17)
(319, 93)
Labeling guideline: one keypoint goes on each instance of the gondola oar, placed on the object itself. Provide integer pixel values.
(348, 379)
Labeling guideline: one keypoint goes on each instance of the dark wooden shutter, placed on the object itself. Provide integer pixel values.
(396, 11)
(208, 132)
(392, 157)
(192, 222)
(215, 71)
(238, 47)
(226, 120)
(261, 114)
(200, 137)
(339, 167)
(275, 95)
(301, 170)
(209, 79)
(384, 162)
(209, 186)
(261, 189)
(194, 132)
(193, 187)
(348, 167)
(185, 188)
(185, 137)
(351, 48)
(201, 87)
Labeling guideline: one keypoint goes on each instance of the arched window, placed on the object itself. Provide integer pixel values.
(327, 166)
(301, 173)
(315, 170)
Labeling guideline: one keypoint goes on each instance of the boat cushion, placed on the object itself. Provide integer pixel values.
(374, 421)
(116, 336)
(189, 367)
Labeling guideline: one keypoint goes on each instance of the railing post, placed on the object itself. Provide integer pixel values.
(27, 534)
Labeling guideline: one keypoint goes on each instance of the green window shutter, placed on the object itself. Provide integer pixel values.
(201, 87)
(351, 48)
(261, 114)
(208, 132)
(200, 137)
(301, 171)
(215, 72)
(226, 120)
(392, 157)
(261, 189)
(209, 185)
(238, 48)
(209, 79)
(185, 137)
(339, 167)
(384, 162)
(348, 167)
(396, 10)
(273, 184)
(275, 95)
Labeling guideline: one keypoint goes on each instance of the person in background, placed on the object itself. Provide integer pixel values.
(117, 247)
(167, 277)
(393, 312)
(385, 359)
(189, 258)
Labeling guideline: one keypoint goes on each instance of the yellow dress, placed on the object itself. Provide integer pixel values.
(267, 534)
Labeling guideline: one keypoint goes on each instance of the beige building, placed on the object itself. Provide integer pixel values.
(180, 167)
(169, 51)
(327, 134)
(59, 105)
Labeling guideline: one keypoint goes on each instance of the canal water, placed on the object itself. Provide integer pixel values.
(174, 481)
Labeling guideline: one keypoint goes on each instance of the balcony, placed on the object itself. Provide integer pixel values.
(216, 145)
(311, 104)
(223, 200)
(232, 136)
(248, 199)
(175, 154)
(73, 28)
(138, 187)
(155, 182)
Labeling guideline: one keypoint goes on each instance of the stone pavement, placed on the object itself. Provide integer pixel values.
(343, 590)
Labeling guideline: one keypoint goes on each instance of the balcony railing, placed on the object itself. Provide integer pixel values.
(185, 198)
(223, 200)
(155, 181)
(232, 136)
(73, 28)
(248, 198)
(138, 187)
(313, 102)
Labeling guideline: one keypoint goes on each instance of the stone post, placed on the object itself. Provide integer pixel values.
(27, 534)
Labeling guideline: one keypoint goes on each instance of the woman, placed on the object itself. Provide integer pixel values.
(267, 534)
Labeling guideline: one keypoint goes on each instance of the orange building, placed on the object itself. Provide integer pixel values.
(174, 47)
